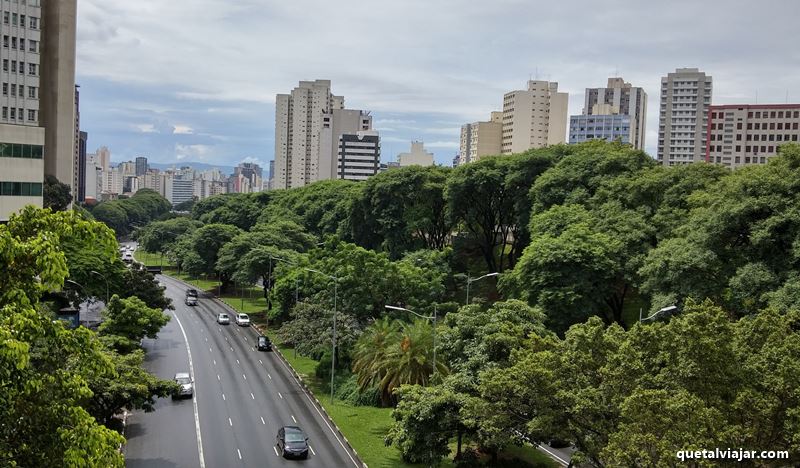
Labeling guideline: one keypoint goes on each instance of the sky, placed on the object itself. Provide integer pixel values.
(195, 80)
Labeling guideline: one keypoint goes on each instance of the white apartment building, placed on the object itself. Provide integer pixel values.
(335, 124)
(534, 118)
(94, 177)
(416, 157)
(683, 118)
(298, 124)
(620, 98)
(481, 139)
(359, 155)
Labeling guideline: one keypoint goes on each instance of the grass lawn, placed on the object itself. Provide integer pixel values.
(151, 259)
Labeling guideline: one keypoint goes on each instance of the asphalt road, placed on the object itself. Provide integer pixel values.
(242, 397)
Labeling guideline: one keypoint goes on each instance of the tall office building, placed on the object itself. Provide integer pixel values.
(298, 124)
(57, 100)
(534, 118)
(94, 178)
(359, 155)
(618, 98)
(21, 137)
(683, 116)
(481, 139)
(104, 158)
(141, 166)
(745, 134)
(81, 171)
(335, 124)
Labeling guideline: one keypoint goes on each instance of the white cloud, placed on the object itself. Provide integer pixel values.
(146, 128)
(182, 130)
(200, 153)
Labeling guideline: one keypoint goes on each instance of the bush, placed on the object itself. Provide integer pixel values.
(350, 392)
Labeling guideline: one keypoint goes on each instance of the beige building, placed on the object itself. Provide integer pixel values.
(683, 116)
(620, 98)
(745, 134)
(335, 124)
(298, 124)
(481, 139)
(104, 158)
(22, 137)
(416, 157)
(58, 89)
(534, 118)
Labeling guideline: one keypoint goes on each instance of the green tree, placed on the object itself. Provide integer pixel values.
(402, 210)
(129, 387)
(112, 215)
(132, 320)
(55, 195)
(310, 330)
(203, 247)
(160, 236)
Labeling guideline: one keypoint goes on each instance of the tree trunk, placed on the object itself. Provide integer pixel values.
(458, 446)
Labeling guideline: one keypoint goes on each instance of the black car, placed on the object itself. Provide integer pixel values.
(191, 293)
(264, 344)
(292, 442)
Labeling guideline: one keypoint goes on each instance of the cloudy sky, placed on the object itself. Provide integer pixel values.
(195, 80)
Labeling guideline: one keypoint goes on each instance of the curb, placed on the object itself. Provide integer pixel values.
(298, 378)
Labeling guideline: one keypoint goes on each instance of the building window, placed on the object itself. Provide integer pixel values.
(31, 115)
(5, 113)
(5, 42)
(13, 114)
(739, 126)
(738, 148)
(33, 46)
(32, 92)
(22, 20)
(14, 19)
(9, 150)
(21, 189)
(13, 42)
(780, 114)
(5, 17)
(5, 65)
(32, 69)
(747, 150)
(13, 90)
(20, 114)
(34, 23)
(5, 89)
(21, 44)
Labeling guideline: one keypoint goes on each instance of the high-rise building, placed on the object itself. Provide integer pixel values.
(745, 134)
(78, 164)
(182, 190)
(141, 165)
(57, 87)
(534, 118)
(683, 116)
(104, 158)
(481, 139)
(81, 192)
(618, 98)
(94, 177)
(611, 127)
(22, 139)
(298, 124)
(359, 155)
(335, 124)
(416, 157)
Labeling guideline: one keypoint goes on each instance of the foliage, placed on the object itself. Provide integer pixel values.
(123, 214)
(131, 319)
(55, 194)
(488, 199)
(310, 330)
(160, 236)
(402, 210)
(202, 249)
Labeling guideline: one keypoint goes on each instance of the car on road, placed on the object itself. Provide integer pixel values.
(292, 442)
(127, 257)
(243, 320)
(186, 386)
(264, 344)
(191, 297)
(223, 319)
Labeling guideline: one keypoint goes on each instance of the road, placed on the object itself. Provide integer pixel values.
(242, 397)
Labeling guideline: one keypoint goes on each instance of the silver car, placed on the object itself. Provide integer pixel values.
(243, 320)
(223, 319)
(186, 385)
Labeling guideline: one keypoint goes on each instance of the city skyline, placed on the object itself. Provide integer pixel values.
(181, 104)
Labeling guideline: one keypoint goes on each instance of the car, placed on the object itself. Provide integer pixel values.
(292, 442)
(242, 320)
(191, 292)
(190, 300)
(223, 319)
(264, 344)
(127, 258)
(186, 386)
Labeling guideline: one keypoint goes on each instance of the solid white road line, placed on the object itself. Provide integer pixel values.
(293, 419)
(240, 453)
(262, 421)
(312, 450)
(320, 414)
(276, 451)
(194, 397)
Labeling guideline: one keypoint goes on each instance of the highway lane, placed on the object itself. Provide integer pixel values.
(243, 397)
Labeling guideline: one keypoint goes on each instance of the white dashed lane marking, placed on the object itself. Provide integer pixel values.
(262, 421)
(230, 422)
(252, 396)
(240, 453)
(279, 394)
(293, 419)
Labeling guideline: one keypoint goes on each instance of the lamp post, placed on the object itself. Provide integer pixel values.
(333, 346)
(106, 279)
(426, 317)
(472, 280)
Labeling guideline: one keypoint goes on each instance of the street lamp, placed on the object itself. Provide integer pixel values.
(106, 279)
(663, 311)
(333, 346)
(472, 280)
(426, 317)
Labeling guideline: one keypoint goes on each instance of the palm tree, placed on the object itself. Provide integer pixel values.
(370, 351)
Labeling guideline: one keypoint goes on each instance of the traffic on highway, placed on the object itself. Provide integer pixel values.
(241, 404)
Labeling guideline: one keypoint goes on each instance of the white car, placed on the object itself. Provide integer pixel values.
(223, 319)
(242, 320)
(186, 385)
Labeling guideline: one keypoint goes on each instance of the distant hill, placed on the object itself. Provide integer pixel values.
(228, 170)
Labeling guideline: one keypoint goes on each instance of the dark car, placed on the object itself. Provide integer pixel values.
(264, 344)
(191, 293)
(292, 442)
